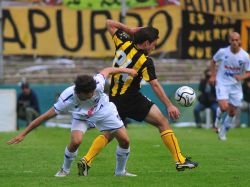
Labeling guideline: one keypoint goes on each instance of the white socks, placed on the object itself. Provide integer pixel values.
(68, 158)
(227, 122)
(121, 160)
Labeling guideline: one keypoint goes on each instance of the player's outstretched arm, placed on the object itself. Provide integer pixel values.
(112, 70)
(114, 25)
(35, 123)
(173, 111)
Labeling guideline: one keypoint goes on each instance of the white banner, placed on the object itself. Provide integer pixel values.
(8, 116)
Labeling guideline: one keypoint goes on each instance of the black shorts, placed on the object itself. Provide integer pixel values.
(132, 106)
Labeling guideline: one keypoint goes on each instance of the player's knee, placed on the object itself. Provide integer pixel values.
(163, 124)
(108, 136)
(224, 108)
(124, 143)
(232, 113)
(76, 141)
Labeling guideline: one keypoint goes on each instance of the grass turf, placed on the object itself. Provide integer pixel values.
(34, 161)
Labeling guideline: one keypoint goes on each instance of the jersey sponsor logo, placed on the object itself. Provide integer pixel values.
(240, 62)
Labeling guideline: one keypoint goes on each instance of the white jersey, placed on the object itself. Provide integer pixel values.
(69, 102)
(230, 64)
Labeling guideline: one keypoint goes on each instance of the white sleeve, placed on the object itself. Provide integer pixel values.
(60, 106)
(100, 82)
(218, 55)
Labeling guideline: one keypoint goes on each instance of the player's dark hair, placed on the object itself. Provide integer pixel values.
(146, 33)
(84, 84)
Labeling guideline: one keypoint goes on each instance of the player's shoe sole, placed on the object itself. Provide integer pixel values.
(188, 164)
(82, 167)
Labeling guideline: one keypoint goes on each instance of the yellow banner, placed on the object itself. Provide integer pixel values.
(59, 31)
(239, 9)
(245, 35)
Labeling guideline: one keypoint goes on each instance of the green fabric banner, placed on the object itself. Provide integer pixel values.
(107, 4)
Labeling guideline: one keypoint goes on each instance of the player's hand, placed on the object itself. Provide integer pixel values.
(132, 72)
(135, 29)
(16, 140)
(212, 80)
(173, 112)
(238, 77)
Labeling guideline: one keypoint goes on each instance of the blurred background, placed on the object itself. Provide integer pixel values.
(46, 43)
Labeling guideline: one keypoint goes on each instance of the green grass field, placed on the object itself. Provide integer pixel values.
(34, 161)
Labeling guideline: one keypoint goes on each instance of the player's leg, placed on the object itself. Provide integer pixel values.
(221, 110)
(77, 130)
(226, 123)
(235, 97)
(156, 118)
(222, 96)
(229, 118)
(122, 152)
(98, 144)
(108, 121)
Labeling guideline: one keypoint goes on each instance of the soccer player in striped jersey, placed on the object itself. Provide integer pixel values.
(133, 45)
(90, 107)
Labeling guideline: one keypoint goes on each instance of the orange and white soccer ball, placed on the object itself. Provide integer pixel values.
(185, 96)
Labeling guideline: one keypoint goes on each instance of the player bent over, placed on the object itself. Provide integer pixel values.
(133, 45)
(90, 107)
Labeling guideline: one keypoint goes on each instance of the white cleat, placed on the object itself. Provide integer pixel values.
(126, 174)
(222, 134)
(222, 137)
(61, 173)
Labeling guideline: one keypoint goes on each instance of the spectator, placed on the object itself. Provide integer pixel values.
(27, 104)
(207, 99)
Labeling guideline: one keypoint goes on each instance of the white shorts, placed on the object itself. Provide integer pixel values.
(232, 93)
(105, 119)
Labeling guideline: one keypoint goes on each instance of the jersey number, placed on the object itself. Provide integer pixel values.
(123, 62)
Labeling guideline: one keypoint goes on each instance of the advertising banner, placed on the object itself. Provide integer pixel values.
(239, 9)
(61, 31)
(245, 35)
(203, 34)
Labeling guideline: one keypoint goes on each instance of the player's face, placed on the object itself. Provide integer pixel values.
(85, 96)
(235, 41)
(149, 47)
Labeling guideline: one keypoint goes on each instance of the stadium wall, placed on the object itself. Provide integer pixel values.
(47, 95)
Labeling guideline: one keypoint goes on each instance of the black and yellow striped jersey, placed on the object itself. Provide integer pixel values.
(128, 56)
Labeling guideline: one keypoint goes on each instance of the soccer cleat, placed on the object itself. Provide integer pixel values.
(61, 173)
(223, 138)
(188, 164)
(126, 174)
(222, 134)
(82, 167)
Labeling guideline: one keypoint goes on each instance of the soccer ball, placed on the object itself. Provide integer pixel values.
(185, 96)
